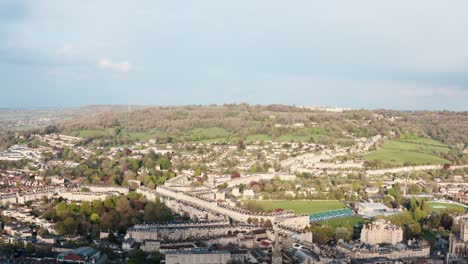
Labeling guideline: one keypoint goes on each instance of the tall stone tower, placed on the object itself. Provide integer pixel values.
(464, 230)
(276, 256)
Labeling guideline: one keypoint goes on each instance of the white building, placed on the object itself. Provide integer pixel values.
(370, 210)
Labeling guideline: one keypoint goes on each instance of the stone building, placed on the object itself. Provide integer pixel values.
(85, 196)
(179, 232)
(459, 243)
(276, 256)
(412, 250)
(198, 256)
(381, 231)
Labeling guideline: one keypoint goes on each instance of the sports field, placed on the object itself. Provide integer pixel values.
(302, 206)
(345, 221)
(418, 151)
(446, 207)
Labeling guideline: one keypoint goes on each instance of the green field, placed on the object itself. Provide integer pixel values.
(208, 133)
(90, 133)
(446, 207)
(293, 137)
(302, 206)
(417, 151)
(345, 221)
(258, 137)
(108, 132)
(145, 135)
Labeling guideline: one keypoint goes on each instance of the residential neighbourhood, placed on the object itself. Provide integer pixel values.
(249, 202)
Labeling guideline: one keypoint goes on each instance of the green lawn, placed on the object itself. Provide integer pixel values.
(302, 206)
(345, 221)
(446, 207)
(419, 151)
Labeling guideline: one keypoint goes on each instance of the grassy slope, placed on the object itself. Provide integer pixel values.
(418, 150)
(207, 133)
(90, 133)
(301, 206)
(252, 138)
(107, 132)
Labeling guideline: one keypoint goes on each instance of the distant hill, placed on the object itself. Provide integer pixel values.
(268, 122)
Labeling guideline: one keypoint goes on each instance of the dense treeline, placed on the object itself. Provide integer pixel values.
(151, 170)
(114, 214)
(7, 139)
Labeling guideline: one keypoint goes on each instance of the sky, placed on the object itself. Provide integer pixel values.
(407, 55)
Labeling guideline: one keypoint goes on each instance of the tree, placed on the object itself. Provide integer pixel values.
(109, 202)
(155, 257)
(222, 186)
(267, 224)
(136, 256)
(418, 214)
(269, 187)
(94, 218)
(235, 175)
(107, 222)
(446, 221)
(342, 233)
(62, 210)
(117, 131)
(322, 234)
(241, 145)
(434, 221)
(98, 208)
(415, 229)
(29, 248)
(86, 208)
(151, 214)
(69, 225)
(165, 163)
(51, 129)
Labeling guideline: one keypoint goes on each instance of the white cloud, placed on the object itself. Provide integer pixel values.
(123, 66)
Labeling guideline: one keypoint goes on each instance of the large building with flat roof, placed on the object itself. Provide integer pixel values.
(370, 210)
(82, 255)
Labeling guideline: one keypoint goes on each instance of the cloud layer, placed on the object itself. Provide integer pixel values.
(115, 66)
(367, 55)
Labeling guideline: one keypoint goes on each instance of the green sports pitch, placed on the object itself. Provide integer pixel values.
(302, 206)
(447, 207)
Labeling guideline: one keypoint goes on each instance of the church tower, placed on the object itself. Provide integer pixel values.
(464, 230)
(276, 256)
